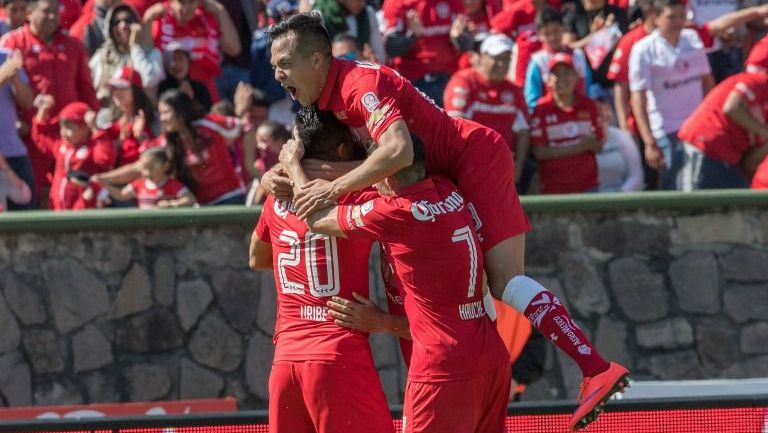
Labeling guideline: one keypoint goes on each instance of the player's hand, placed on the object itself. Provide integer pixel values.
(292, 152)
(360, 314)
(277, 183)
(415, 25)
(654, 157)
(314, 196)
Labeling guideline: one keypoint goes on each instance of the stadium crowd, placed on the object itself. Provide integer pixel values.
(174, 103)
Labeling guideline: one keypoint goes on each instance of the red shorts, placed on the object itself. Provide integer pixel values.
(326, 397)
(486, 179)
(475, 405)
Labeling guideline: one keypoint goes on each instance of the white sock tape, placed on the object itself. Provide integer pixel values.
(520, 291)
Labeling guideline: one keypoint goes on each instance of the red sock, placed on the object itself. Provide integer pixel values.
(547, 314)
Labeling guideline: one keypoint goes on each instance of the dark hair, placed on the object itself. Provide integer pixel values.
(157, 153)
(277, 131)
(641, 9)
(259, 98)
(419, 151)
(187, 112)
(311, 35)
(142, 102)
(321, 132)
(7, 2)
(548, 16)
(660, 5)
(224, 108)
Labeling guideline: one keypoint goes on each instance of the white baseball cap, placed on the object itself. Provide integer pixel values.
(496, 44)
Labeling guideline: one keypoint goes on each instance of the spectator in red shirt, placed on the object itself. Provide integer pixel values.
(728, 129)
(566, 133)
(484, 94)
(76, 150)
(56, 64)
(422, 38)
(206, 30)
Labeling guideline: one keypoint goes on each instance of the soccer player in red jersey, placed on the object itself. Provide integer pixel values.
(426, 232)
(377, 102)
(323, 378)
(726, 132)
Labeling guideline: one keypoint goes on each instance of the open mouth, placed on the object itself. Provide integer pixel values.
(291, 91)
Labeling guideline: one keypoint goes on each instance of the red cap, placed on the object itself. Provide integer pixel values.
(74, 112)
(126, 77)
(560, 58)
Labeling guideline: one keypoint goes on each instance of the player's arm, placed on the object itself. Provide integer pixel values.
(259, 254)
(394, 152)
(364, 315)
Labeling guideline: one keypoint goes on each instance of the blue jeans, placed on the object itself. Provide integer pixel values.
(230, 77)
(23, 168)
(433, 85)
(235, 199)
(702, 172)
(672, 148)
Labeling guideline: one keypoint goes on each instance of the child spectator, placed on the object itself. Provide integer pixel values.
(127, 44)
(12, 187)
(75, 149)
(270, 137)
(156, 188)
(549, 25)
(566, 132)
(206, 29)
(131, 115)
(177, 61)
(619, 166)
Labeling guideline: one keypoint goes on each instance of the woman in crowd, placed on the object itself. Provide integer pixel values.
(619, 167)
(127, 45)
(177, 60)
(130, 116)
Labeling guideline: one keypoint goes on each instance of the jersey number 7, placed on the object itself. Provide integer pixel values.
(313, 245)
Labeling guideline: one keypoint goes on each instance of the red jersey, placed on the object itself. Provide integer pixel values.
(554, 127)
(59, 69)
(427, 231)
(97, 155)
(200, 36)
(757, 61)
(433, 51)
(148, 193)
(517, 21)
(714, 133)
(212, 168)
(499, 106)
(309, 269)
(619, 68)
(760, 181)
(70, 12)
(129, 147)
(369, 97)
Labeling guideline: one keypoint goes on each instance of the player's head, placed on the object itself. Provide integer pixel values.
(549, 25)
(414, 173)
(325, 137)
(670, 16)
(301, 55)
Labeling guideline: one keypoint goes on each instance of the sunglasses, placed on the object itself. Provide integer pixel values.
(122, 20)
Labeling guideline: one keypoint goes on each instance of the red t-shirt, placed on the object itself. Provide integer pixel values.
(517, 21)
(95, 156)
(148, 193)
(757, 61)
(433, 52)
(428, 232)
(619, 68)
(370, 97)
(309, 269)
(760, 181)
(70, 12)
(714, 133)
(213, 169)
(129, 147)
(554, 127)
(59, 69)
(201, 36)
(500, 106)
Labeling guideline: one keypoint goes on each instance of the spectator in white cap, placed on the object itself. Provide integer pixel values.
(483, 93)
(177, 61)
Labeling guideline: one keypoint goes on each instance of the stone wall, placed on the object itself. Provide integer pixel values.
(114, 311)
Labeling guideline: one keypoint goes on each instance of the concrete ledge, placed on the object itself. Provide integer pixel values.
(119, 219)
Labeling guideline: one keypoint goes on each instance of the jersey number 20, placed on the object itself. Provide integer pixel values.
(313, 243)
